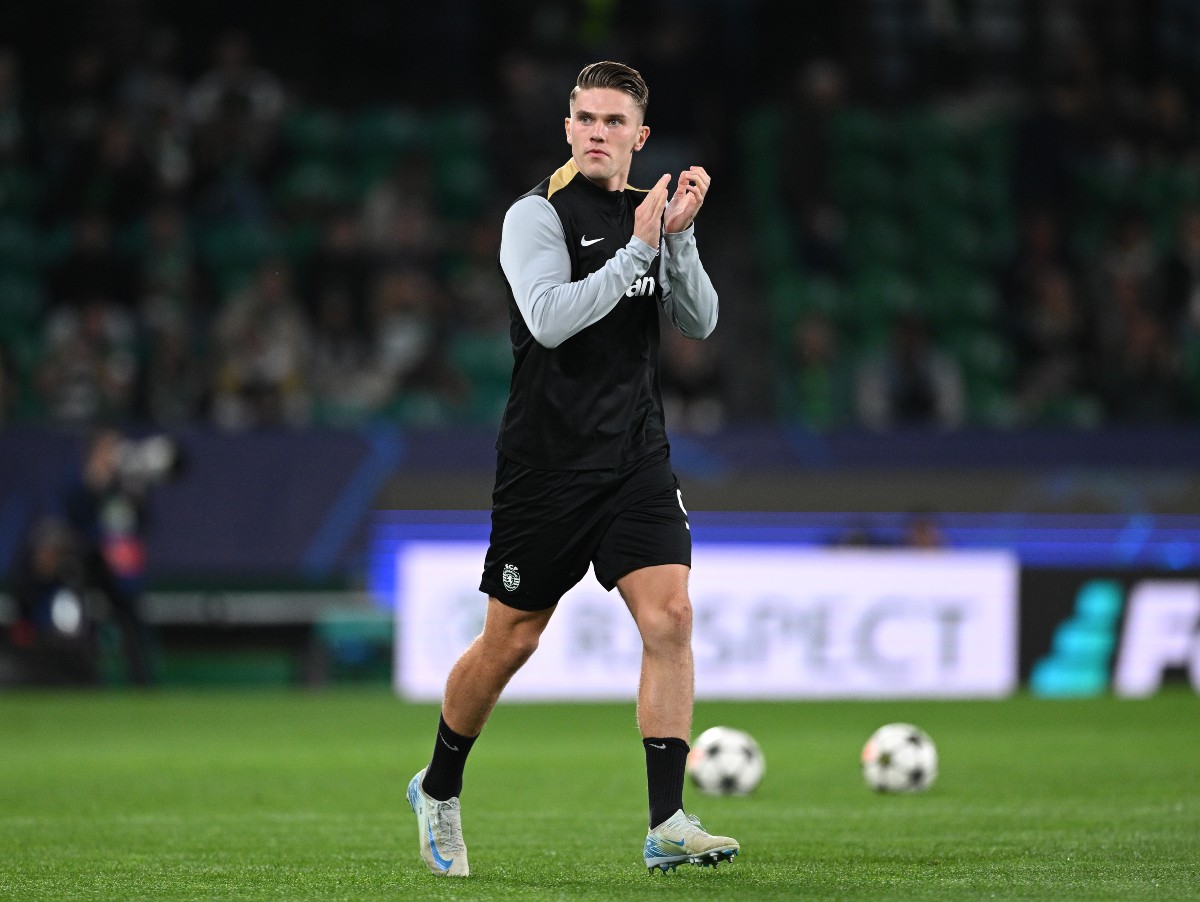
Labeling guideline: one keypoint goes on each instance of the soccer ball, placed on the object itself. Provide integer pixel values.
(725, 762)
(899, 758)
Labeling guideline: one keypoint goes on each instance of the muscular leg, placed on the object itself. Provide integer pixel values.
(508, 638)
(657, 597)
(658, 600)
(478, 677)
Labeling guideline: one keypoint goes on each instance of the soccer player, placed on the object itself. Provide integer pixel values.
(583, 473)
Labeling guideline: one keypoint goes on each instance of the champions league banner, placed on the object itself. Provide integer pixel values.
(771, 621)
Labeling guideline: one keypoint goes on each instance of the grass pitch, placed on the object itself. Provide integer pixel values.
(274, 795)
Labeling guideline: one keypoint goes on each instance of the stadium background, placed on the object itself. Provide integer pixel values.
(957, 245)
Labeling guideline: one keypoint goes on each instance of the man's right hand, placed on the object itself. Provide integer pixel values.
(647, 218)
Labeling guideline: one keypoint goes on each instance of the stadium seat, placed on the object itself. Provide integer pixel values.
(20, 190)
(859, 130)
(233, 250)
(313, 183)
(22, 298)
(486, 360)
(20, 246)
(380, 134)
(878, 239)
(315, 134)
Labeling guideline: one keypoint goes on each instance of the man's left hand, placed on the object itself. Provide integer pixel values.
(687, 200)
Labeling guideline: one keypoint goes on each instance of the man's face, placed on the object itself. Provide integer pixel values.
(604, 129)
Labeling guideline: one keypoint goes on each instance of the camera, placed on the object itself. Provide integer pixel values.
(149, 461)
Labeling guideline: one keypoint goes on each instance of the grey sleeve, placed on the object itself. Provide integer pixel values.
(533, 255)
(688, 294)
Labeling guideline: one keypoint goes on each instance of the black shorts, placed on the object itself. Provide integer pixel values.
(549, 525)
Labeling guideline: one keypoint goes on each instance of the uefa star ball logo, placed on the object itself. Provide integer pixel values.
(511, 577)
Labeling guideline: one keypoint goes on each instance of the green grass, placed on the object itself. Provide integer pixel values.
(276, 795)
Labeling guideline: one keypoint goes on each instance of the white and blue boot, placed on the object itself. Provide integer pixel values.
(681, 840)
(439, 826)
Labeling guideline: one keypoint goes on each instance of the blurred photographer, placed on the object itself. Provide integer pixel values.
(53, 641)
(106, 508)
(89, 568)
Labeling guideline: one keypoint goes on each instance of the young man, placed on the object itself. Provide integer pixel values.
(584, 470)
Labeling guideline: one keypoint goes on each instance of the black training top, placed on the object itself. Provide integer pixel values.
(584, 296)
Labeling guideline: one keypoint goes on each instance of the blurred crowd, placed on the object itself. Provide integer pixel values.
(184, 255)
(1020, 247)
(226, 242)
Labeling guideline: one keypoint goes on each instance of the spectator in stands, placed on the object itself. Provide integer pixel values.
(262, 346)
(475, 280)
(817, 384)
(345, 389)
(818, 95)
(528, 112)
(235, 111)
(399, 215)
(1180, 277)
(152, 92)
(403, 322)
(910, 382)
(10, 386)
(1168, 135)
(111, 176)
(1141, 381)
(1041, 247)
(152, 82)
(15, 135)
(339, 266)
(1055, 347)
(1125, 276)
(72, 124)
(88, 367)
(94, 269)
(176, 383)
(172, 284)
(692, 383)
(235, 81)
(1052, 142)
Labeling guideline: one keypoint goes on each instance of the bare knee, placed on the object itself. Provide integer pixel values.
(667, 624)
(512, 648)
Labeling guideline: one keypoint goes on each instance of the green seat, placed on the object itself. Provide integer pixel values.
(461, 183)
(858, 129)
(381, 135)
(878, 239)
(482, 355)
(862, 181)
(22, 300)
(20, 246)
(876, 297)
(234, 250)
(387, 130)
(20, 190)
(983, 356)
(313, 183)
(760, 155)
(315, 133)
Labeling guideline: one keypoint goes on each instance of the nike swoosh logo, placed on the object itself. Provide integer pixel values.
(452, 748)
(442, 863)
(673, 842)
(655, 745)
(586, 241)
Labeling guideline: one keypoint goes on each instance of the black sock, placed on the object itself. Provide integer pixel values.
(444, 777)
(665, 762)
